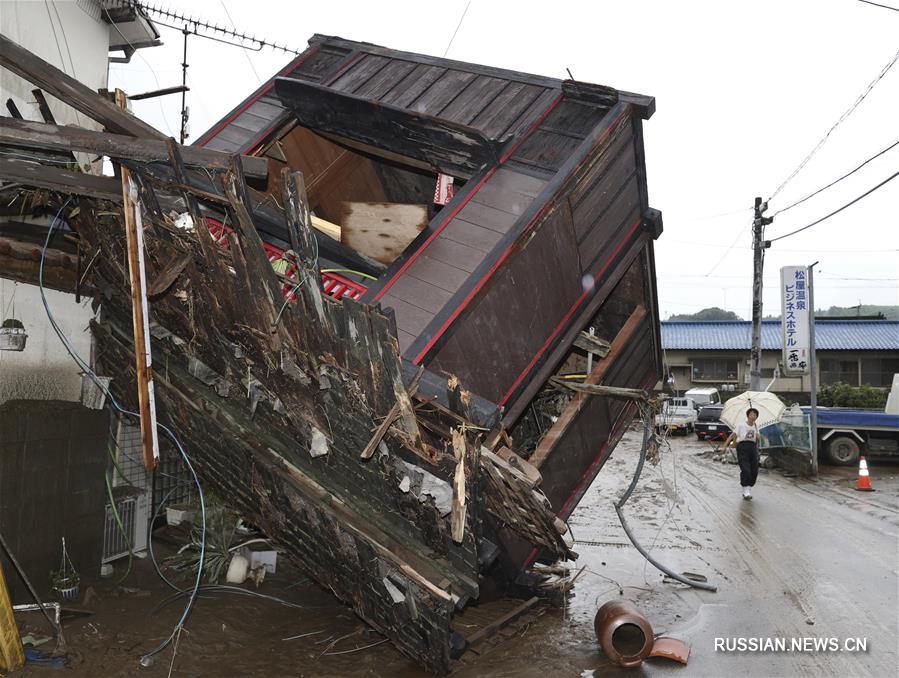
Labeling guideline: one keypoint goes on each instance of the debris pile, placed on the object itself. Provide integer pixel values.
(363, 406)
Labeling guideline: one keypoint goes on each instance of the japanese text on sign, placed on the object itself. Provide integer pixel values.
(795, 319)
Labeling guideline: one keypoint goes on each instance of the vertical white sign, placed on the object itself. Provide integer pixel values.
(795, 319)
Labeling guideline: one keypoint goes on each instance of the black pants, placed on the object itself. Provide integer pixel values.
(748, 457)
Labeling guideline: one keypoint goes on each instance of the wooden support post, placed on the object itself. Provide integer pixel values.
(139, 313)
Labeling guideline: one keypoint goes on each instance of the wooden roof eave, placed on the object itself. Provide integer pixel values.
(457, 150)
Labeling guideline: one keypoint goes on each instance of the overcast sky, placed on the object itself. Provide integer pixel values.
(744, 91)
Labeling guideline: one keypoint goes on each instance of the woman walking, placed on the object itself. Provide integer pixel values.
(747, 438)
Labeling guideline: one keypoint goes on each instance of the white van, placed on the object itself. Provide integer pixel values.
(704, 396)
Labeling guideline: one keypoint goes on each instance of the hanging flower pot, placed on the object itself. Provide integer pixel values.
(66, 581)
(12, 335)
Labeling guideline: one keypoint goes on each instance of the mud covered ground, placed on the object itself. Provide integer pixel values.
(802, 560)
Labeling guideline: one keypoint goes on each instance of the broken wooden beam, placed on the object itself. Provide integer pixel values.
(455, 149)
(49, 78)
(51, 137)
(457, 518)
(143, 360)
(58, 179)
(592, 344)
(601, 390)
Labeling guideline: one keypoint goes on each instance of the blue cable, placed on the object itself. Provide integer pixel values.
(146, 659)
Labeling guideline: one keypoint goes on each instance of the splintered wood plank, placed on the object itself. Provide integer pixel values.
(381, 230)
(140, 313)
(35, 70)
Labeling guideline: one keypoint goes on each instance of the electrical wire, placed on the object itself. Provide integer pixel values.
(147, 658)
(244, 49)
(838, 210)
(726, 252)
(877, 4)
(458, 26)
(839, 121)
(349, 270)
(836, 181)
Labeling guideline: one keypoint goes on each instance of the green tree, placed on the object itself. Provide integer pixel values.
(844, 395)
(712, 313)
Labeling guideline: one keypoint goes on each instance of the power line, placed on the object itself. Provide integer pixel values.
(458, 26)
(836, 181)
(837, 211)
(876, 4)
(726, 252)
(245, 53)
(839, 121)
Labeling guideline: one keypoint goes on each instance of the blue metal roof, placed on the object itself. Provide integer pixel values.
(830, 335)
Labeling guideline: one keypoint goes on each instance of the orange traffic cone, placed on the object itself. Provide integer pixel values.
(864, 480)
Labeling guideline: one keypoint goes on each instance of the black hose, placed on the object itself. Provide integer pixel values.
(627, 530)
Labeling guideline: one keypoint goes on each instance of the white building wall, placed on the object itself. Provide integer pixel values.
(71, 35)
(44, 371)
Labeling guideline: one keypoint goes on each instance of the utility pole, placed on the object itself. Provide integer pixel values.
(759, 244)
(184, 67)
(813, 368)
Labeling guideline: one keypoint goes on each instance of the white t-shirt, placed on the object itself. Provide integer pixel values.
(747, 433)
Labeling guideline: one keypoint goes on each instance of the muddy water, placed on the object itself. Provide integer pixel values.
(802, 559)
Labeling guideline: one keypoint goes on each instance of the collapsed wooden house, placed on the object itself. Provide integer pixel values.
(381, 401)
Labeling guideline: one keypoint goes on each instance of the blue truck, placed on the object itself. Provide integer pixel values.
(845, 434)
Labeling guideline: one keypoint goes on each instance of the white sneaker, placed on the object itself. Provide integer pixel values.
(747, 493)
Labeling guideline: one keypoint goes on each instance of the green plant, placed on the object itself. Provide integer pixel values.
(221, 525)
(844, 395)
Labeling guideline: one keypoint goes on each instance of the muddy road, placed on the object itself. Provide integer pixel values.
(801, 560)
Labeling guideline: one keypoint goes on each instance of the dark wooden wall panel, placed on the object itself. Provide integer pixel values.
(587, 435)
(515, 314)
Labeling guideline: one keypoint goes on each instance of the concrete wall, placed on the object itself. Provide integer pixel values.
(52, 459)
(44, 371)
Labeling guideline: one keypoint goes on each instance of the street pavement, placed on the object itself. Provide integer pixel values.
(803, 560)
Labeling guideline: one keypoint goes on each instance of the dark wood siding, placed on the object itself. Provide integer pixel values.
(590, 227)
(515, 314)
(578, 455)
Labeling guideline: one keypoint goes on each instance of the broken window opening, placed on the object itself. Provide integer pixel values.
(551, 400)
(373, 202)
